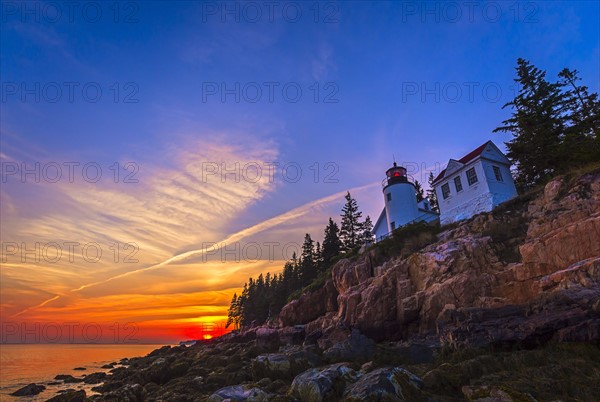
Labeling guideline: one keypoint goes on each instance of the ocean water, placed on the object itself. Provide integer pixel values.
(39, 363)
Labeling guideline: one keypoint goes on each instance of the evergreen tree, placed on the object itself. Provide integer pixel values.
(581, 141)
(331, 242)
(351, 230)
(419, 190)
(318, 257)
(367, 234)
(431, 195)
(250, 306)
(295, 263)
(308, 270)
(261, 302)
(289, 276)
(279, 297)
(536, 124)
(241, 306)
(232, 314)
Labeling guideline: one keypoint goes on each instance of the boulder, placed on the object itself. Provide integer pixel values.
(29, 390)
(385, 384)
(284, 365)
(323, 384)
(163, 351)
(272, 365)
(68, 378)
(356, 347)
(164, 369)
(69, 396)
(238, 393)
(95, 378)
(127, 393)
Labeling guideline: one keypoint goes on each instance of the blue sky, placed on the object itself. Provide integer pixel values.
(393, 78)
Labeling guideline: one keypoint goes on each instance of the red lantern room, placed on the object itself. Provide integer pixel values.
(395, 174)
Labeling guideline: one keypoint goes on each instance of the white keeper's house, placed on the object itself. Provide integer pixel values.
(475, 183)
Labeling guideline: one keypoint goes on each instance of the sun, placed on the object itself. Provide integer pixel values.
(207, 337)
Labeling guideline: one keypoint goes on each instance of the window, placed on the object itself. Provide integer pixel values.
(497, 173)
(426, 205)
(446, 190)
(457, 184)
(393, 225)
(389, 197)
(471, 176)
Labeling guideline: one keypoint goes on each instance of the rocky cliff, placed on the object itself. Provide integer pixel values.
(528, 272)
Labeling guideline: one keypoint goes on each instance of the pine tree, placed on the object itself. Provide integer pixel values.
(431, 195)
(318, 257)
(250, 303)
(331, 242)
(279, 297)
(536, 124)
(351, 230)
(367, 234)
(419, 191)
(581, 142)
(241, 306)
(261, 303)
(308, 271)
(295, 283)
(288, 279)
(232, 313)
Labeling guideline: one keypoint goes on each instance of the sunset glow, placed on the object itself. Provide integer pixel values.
(152, 164)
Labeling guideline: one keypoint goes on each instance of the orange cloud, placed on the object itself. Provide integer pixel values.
(179, 221)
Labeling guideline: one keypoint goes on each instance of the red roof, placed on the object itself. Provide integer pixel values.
(465, 159)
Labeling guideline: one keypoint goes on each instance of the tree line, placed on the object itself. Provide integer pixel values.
(264, 297)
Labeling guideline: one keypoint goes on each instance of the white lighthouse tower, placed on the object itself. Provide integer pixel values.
(401, 206)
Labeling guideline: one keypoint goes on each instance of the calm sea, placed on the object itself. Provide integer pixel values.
(23, 364)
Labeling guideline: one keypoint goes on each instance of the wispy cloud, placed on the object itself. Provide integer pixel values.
(170, 209)
(174, 211)
(292, 215)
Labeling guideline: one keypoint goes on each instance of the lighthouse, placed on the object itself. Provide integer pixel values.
(400, 203)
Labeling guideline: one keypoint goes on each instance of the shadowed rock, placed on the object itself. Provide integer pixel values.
(29, 390)
(385, 384)
(238, 393)
(69, 396)
(68, 378)
(323, 384)
(95, 378)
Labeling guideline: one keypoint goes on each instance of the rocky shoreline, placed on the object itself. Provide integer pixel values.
(502, 307)
(270, 364)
